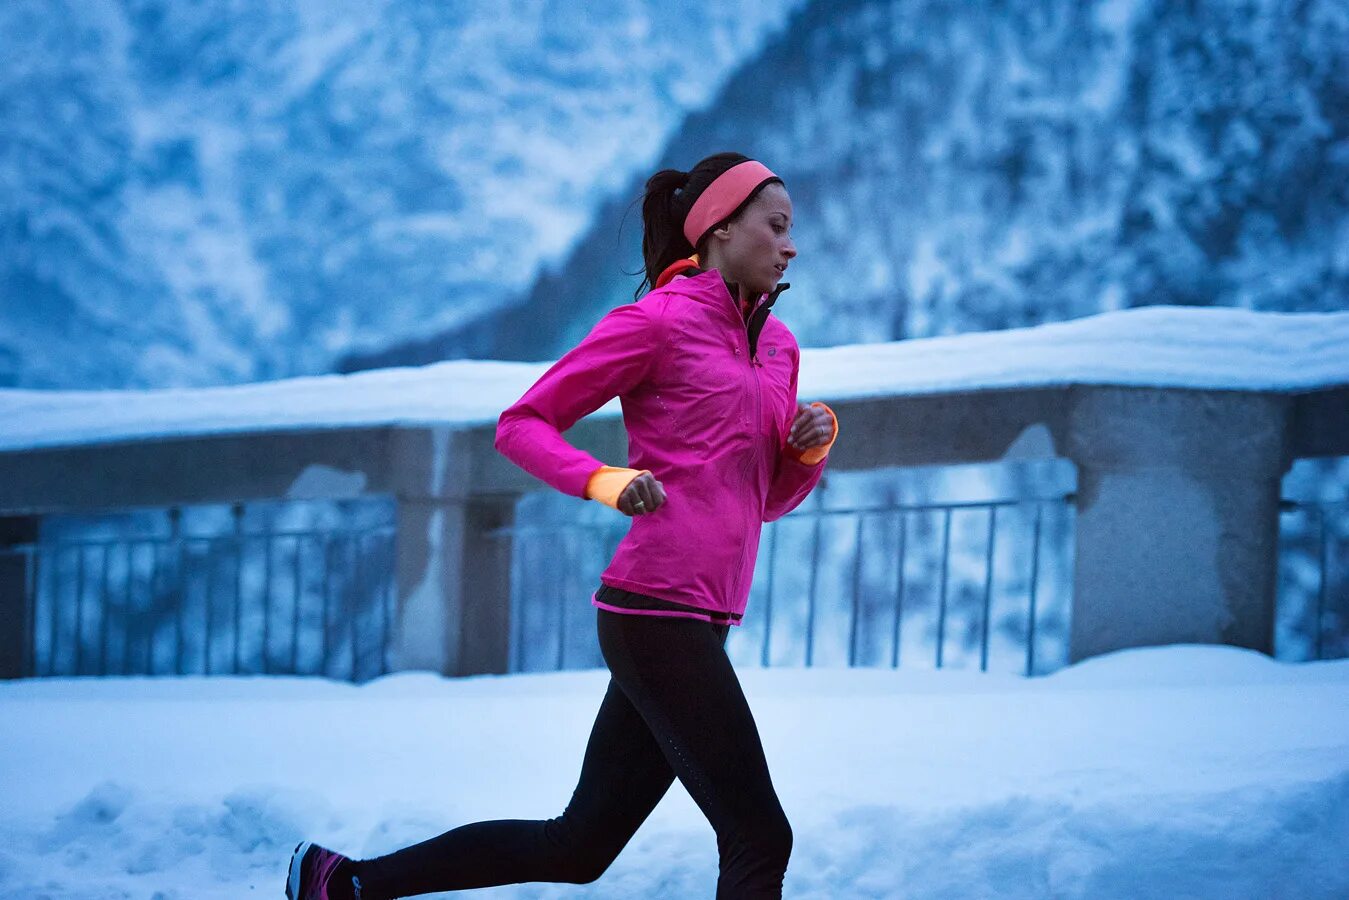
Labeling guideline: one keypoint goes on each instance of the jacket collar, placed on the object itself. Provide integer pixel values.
(753, 319)
(690, 268)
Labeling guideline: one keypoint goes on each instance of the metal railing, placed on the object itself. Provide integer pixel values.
(855, 586)
(1314, 599)
(558, 564)
(901, 513)
(288, 601)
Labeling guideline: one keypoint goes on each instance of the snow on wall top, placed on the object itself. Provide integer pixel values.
(1181, 347)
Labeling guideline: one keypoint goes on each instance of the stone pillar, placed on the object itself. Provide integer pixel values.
(484, 586)
(16, 625)
(429, 531)
(452, 575)
(1177, 533)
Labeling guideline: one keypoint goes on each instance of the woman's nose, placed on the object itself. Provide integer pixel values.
(789, 248)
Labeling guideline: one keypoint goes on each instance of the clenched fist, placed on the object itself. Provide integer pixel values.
(642, 496)
(812, 427)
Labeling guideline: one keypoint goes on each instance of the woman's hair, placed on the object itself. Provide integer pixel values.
(669, 196)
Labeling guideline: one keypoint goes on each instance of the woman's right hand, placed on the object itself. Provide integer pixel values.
(644, 490)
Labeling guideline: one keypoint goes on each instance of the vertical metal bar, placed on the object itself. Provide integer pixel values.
(386, 601)
(109, 609)
(899, 588)
(988, 585)
(335, 582)
(327, 591)
(517, 597)
(340, 580)
(30, 588)
(180, 604)
(40, 604)
(103, 613)
(237, 514)
(601, 555)
(562, 605)
(317, 538)
(136, 613)
(179, 544)
(1324, 551)
(52, 567)
(156, 581)
(127, 619)
(54, 605)
(79, 609)
(353, 597)
(363, 595)
(856, 593)
(210, 603)
(1034, 578)
(945, 570)
(768, 612)
(295, 610)
(153, 601)
(814, 576)
(268, 539)
(30, 606)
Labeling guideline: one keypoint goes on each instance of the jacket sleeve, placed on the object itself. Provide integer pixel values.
(611, 360)
(796, 472)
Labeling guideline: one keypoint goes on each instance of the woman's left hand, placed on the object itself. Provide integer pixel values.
(812, 427)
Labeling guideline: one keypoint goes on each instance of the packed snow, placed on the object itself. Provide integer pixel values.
(1180, 347)
(1185, 771)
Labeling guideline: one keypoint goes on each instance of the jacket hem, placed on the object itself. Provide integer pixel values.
(664, 613)
(658, 604)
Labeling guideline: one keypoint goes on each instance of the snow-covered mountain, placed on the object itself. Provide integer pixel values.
(220, 191)
(966, 167)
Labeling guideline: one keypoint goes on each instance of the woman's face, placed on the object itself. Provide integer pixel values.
(754, 249)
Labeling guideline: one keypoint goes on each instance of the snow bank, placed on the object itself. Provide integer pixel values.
(1163, 772)
(1153, 346)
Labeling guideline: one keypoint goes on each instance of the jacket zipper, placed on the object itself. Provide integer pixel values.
(754, 367)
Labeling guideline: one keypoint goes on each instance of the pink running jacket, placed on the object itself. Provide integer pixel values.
(709, 422)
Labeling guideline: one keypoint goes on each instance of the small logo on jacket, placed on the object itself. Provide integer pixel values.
(772, 351)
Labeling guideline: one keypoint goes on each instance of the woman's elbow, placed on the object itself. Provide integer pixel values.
(506, 432)
(774, 511)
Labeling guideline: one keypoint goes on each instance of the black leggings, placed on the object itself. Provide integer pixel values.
(674, 707)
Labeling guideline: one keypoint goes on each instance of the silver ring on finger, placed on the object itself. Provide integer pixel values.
(639, 505)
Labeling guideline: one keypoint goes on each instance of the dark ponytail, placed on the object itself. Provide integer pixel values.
(664, 206)
(669, 196)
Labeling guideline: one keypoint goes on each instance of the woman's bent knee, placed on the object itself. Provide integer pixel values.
(777, 840)
(584, 870)
(766, 846)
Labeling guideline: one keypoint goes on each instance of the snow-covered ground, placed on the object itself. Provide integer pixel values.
(1158, 346)
(1178, 772)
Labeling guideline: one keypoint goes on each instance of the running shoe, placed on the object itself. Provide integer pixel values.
(311, 873)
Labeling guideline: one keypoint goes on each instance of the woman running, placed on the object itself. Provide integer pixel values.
(718, 445)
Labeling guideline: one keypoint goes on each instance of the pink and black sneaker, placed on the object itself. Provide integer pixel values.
(315, 874)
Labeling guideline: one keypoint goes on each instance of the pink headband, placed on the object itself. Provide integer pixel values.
(726, 192)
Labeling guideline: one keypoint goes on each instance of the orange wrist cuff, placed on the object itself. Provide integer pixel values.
(813, 455)
(606, 483)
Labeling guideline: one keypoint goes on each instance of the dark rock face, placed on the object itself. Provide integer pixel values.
(967, 167)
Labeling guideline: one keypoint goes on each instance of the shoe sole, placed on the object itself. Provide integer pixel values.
(296, 864)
